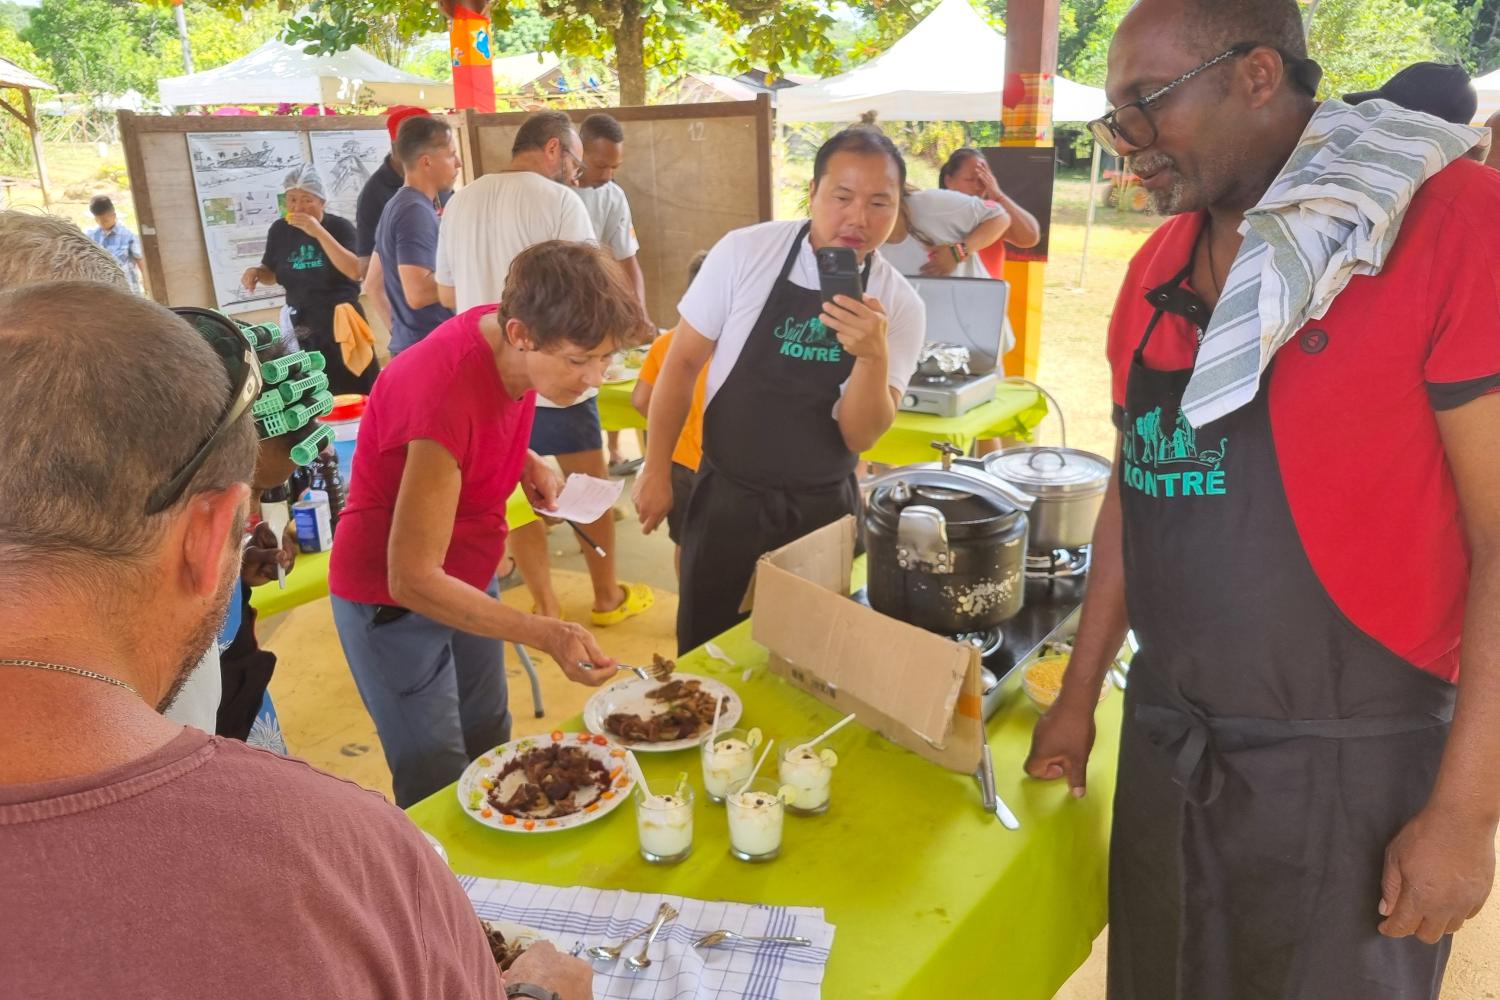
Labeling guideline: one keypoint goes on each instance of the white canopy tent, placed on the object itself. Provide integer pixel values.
(278, 73)
(1488, 88)
(950, 67)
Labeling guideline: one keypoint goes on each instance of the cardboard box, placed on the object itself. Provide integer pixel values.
(914, 687)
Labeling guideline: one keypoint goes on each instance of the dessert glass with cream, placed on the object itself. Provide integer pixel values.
(728, 760)
(757, 813)
(665, 824)
(810, 771)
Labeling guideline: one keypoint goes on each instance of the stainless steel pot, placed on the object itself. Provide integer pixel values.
(1068, 486)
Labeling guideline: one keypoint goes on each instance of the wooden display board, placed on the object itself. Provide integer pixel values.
(692, 172)
(159, 161)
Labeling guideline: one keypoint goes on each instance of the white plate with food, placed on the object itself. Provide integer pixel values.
(540, 784)
(619, 376)
(658, 716)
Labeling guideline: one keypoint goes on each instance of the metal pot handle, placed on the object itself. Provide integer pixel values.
(1062, 422)
(1037, 452)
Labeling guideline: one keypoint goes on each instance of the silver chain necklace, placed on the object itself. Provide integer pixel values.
(64, 669)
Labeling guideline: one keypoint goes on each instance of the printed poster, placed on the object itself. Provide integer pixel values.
(238, 178)
(345, 160)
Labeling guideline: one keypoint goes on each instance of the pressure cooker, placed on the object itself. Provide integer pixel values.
(947, 548)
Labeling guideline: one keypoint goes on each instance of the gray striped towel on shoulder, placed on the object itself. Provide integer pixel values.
(1332, 213)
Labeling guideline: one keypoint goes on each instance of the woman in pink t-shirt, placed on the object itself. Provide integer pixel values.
(442, 445)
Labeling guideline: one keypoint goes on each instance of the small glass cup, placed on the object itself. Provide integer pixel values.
(756, 816)
(665, 825)
(810, 772)
(727, 763)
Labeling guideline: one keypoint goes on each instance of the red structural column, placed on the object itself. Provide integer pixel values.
(1030, 65)
(469, 47)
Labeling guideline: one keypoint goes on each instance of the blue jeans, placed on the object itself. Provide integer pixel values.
(437, 695)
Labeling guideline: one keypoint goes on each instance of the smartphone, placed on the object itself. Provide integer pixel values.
(838, 273)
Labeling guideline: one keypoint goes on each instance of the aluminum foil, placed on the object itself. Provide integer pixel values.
(943, 359)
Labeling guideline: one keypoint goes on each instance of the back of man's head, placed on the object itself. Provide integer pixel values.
(600, 126)
(106, 394)
(48, 248)
(540, 129)
(419, 136)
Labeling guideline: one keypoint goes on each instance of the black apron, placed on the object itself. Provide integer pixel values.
(775, 465)
(1271, 750)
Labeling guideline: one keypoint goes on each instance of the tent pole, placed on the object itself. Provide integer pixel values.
(1088, 228)
(36, 144)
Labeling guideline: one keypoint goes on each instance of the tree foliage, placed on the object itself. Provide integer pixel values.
(634, 35)
(111, 46)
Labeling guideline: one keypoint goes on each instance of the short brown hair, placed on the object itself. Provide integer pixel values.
(573, 292)
(105, 395)
(420, 135)
(540, 129)
(36, 247)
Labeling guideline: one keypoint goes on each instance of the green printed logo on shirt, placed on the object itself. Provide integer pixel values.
(808, 340)
(1167, 462)
(305, 257)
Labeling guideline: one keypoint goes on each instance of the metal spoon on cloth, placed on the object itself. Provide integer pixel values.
(714, 938)
(638, 963)
(604, 953)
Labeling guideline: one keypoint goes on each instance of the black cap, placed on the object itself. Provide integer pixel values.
(1434, 88)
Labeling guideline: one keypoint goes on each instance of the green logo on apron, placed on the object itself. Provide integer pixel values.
(305, 257)
(808, 340)
(1167, 462)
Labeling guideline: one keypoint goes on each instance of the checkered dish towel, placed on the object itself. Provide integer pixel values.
(571, 916)
(1332, 213)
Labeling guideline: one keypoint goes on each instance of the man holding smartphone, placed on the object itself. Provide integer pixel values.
(799, 382)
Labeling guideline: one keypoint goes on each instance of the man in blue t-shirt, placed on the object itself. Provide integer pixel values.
(406, 239)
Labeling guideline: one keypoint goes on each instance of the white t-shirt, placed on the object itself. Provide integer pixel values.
(609, 211)
(494, 218)
(943, 217)
(727, 296)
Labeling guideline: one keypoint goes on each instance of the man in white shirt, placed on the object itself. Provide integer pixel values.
(797, 387)
(609, 211)
(484, 227)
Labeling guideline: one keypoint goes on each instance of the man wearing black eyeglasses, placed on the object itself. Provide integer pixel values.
(123, 485)
(1304, 531)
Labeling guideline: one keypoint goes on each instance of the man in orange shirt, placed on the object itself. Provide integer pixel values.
(689, 450)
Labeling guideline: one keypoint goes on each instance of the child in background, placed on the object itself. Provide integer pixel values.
(115, 237)
(689, 451)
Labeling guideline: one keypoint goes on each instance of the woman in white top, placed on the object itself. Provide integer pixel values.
(796, 388)
(939, 234)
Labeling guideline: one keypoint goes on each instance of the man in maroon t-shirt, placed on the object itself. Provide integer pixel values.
(143, 858)
(1307, 796)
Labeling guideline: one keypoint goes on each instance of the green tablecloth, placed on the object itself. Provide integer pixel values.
(931, 897)
(1013, 412)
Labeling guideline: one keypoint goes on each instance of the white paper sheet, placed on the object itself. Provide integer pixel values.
(584, 499)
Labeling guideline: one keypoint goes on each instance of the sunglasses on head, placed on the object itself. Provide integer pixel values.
(237, 355)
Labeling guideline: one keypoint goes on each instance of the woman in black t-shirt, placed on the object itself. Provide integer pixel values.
(310, 253)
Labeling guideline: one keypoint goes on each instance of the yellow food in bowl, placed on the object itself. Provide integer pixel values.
(1042, 680)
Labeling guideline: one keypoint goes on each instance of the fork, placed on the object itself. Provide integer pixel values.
(604, 953)
(655, 672)
(714, 938)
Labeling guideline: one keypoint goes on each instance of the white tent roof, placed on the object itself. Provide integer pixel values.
(1488, 87)
(277, 73)
(950, 67)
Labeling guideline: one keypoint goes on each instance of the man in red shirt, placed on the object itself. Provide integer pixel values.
(1301, 810)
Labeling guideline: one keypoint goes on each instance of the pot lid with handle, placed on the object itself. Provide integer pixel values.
(965, 506)
(1051, 472)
